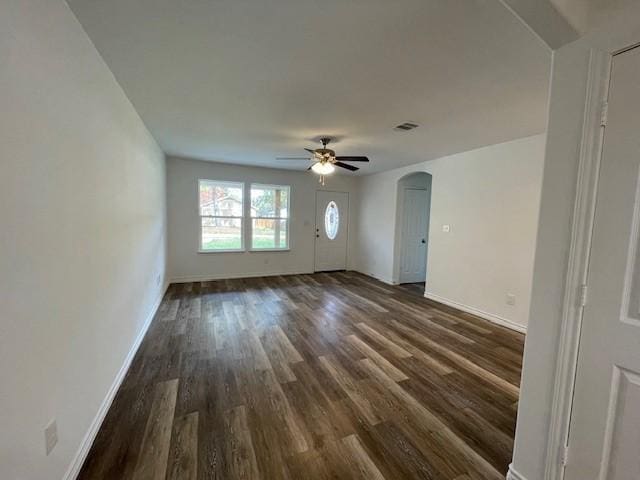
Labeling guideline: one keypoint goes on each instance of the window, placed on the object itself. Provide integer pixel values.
(269, 217)
(221, 216)
(331, 220)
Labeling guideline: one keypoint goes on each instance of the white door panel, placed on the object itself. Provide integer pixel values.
(604, 442)
(332, 218)
(415, 226)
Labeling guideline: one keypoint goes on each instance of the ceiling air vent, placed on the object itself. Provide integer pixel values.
(406, 126)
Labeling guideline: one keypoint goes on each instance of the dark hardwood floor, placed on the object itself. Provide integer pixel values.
(417, 288)
(324, 376)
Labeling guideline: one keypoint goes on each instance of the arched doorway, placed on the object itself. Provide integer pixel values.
(413, 208)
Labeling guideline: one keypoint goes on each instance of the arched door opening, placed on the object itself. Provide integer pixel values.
(412, 228)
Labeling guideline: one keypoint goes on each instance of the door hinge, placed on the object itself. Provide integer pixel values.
(604, 114)
(584, 291)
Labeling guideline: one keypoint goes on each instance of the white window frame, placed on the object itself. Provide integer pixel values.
(250, 217)
(242, 218)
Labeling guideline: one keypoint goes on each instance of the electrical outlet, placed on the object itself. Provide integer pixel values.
(50, 436)
(511, 299)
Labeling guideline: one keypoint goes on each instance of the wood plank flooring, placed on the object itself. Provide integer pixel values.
(324, 376)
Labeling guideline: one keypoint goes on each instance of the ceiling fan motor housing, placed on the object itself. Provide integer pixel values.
(325, 154)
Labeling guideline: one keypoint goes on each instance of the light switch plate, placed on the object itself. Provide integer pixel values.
(446, 228)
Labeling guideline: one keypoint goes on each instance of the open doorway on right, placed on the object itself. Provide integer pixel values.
(413, 212)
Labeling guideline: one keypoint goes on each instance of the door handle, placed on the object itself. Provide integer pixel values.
(423, 241)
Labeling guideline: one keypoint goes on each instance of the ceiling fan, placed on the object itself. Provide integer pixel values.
(325, 160)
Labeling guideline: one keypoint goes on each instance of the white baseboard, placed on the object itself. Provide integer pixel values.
(383, 280)
(211, 277)
(512, 474)
(479, 313)
(87, 441)
(388, 281)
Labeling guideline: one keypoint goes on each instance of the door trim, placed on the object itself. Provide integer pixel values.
(590, 156)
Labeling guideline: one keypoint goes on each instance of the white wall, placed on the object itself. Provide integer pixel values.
(186, 264)
(82, 236)
(566, 116)
(554, 233)
(490, 198)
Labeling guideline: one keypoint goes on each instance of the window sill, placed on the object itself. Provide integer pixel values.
(222, 251)
(271, 250)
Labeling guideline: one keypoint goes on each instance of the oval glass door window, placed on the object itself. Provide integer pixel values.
(331, 220)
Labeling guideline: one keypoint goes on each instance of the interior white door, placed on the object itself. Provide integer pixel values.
(604, 440)
(332, 218)
(414, 235)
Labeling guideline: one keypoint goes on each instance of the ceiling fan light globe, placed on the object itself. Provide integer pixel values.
(323, 168)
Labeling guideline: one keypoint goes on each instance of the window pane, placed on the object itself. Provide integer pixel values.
(269, 201)
(269, 233)
(221, 233)
(331, 220)
(220, 199)
(284, 241)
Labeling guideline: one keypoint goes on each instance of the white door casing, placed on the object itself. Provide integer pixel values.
(331, 253)
(414, 235)
(605, 421)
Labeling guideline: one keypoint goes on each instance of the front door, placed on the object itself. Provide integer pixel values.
(604, 440)
(332, 218)
(415, 226)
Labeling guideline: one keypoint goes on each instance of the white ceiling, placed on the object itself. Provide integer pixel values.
(245, 81)
(544, 18)
(586, 15)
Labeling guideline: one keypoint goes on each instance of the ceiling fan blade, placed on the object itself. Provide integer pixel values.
(310, 151)
(346, 165)
(353, 159)
(293, 158)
